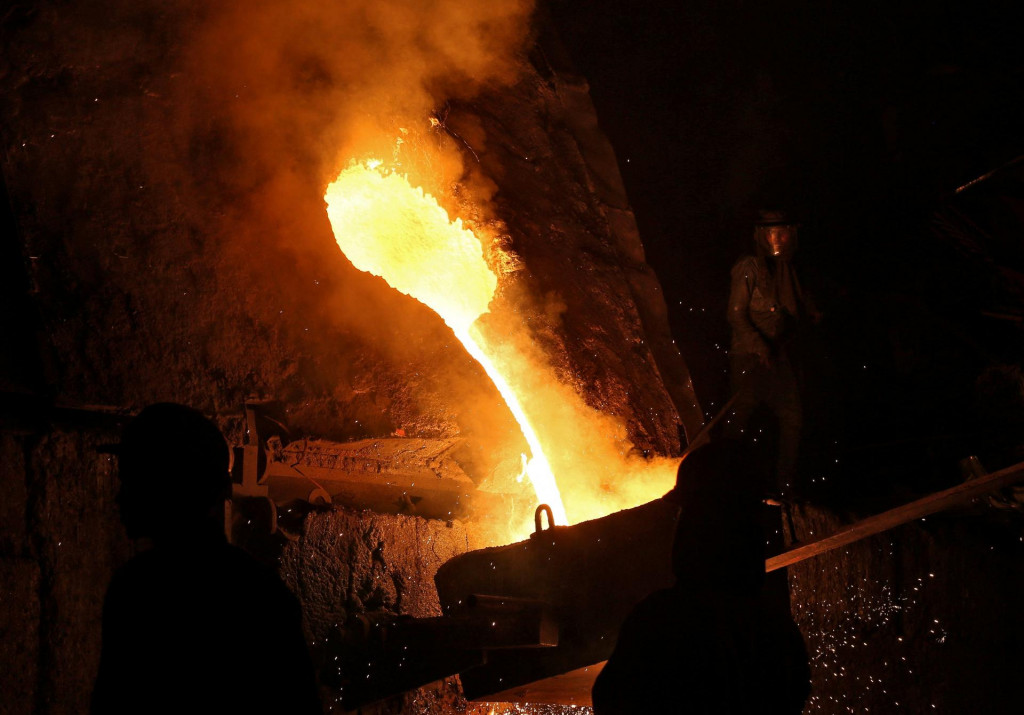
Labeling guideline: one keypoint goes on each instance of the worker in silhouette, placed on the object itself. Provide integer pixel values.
(767, 308)
(193, 624)
(713, 643)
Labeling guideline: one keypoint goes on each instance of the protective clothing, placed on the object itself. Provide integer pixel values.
(778, 240)
(766, 303)
(714, 643)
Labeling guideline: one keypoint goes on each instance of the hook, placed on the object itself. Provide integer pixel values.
(543, 509)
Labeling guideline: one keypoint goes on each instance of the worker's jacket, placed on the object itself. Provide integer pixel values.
(757, 321)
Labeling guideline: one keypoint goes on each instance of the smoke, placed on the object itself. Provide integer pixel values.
(310, 84)
(273, 98)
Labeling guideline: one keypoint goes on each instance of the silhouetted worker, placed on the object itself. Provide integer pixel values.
(193, 624)
(713, 643)
(767, 304)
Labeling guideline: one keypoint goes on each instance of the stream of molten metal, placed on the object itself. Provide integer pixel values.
(391, 229)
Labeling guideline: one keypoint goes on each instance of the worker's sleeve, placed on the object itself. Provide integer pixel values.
(116, 680)
(746, 338)
(798, 685)
(615, 689)
(295, 686)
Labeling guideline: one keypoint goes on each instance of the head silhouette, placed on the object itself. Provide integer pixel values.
(719, 538)
(173, 469)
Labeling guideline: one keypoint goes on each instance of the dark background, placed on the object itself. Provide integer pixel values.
(861, 119)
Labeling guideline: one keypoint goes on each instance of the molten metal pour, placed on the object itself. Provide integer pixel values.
(387, 227)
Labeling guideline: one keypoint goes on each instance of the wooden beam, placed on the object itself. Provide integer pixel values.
(918, 509)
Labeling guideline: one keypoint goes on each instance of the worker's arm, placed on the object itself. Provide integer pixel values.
(118, 677)
(746, 338)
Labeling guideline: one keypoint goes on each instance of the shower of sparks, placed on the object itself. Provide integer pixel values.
(864, 643)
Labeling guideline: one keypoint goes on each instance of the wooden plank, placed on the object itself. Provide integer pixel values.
(572, 688)
(918, 509)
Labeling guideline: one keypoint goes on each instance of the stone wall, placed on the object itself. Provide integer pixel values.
(61, 543)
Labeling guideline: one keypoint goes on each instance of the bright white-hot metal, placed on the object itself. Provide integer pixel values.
(391, 229)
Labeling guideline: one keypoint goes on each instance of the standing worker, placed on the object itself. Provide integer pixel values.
(715, 643)
(767, 305)
(193, 624)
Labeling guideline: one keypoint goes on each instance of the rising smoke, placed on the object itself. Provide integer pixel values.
(305, 86)
(286, 93)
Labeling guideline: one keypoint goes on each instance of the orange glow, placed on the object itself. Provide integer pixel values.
(390, 228)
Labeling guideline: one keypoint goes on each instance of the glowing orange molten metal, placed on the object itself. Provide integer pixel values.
(391, 229)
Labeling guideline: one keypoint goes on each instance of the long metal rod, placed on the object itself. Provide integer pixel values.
(701, 437)
(988, 175)
(878, 523)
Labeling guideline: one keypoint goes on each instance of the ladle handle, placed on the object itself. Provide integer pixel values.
(543, 509)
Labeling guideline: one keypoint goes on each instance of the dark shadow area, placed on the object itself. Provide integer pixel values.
(719, 640)
(863, 120)
(193, 623)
